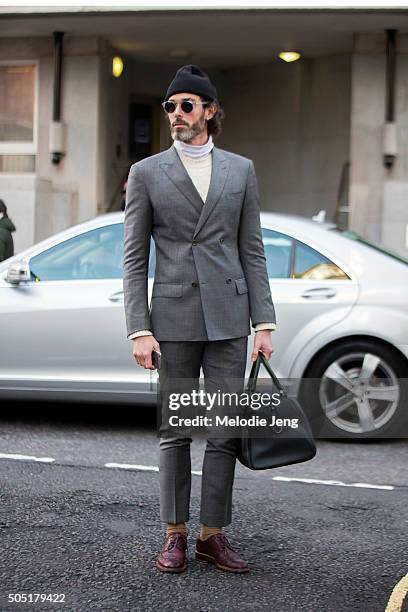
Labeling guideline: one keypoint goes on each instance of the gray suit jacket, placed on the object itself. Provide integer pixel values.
(211, 275)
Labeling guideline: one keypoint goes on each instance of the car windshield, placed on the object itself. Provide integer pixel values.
(353, 236)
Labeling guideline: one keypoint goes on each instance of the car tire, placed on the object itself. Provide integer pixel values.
(364, 408)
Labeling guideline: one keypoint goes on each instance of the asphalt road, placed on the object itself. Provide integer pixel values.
(70, 525)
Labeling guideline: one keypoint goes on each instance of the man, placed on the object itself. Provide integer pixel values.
(201, 204)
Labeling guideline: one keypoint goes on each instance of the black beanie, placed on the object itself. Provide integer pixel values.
(192, 79)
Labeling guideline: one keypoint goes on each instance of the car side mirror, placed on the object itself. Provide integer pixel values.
(18, 272)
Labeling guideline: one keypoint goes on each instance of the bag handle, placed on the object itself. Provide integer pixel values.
(253, 376)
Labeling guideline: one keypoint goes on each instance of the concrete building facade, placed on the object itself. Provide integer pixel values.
(314, 127)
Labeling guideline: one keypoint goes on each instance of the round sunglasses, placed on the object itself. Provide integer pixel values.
(186, 106)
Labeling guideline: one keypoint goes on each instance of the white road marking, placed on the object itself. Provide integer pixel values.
(145, 468)
(337, 483)
(17, 457)
(133, 466)
(155, 468)
(398, 595)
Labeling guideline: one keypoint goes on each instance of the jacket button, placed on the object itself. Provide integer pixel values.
(221, 239)
(194, 284)
(229, 280)
(194, 242)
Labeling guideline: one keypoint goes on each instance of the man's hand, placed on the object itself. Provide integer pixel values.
(142, 351)
(263, 343)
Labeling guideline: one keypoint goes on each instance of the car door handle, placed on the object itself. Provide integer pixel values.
(318, 293)
(117, 297)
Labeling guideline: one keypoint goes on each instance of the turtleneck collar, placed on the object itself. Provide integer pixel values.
(194, 151)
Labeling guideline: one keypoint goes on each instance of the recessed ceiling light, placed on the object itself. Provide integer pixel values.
(289, 56)
(117, 66)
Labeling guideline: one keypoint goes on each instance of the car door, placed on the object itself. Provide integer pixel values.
(67, 326)
(310, 293)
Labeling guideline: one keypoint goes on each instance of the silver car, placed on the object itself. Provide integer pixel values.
(341, 341)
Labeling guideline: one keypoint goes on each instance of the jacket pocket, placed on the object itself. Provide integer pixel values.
(241, 285)
(167, 290)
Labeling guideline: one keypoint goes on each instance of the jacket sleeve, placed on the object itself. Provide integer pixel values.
(252, 255)
(137, 235)
(3, 244)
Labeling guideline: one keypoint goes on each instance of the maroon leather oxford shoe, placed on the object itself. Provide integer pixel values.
(173, 556)
(216, 549)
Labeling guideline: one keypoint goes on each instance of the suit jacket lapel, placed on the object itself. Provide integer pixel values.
(175, 170)
(219, 173)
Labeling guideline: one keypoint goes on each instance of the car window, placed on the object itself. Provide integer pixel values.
(278, 249)
(90, 255)
(310, 264)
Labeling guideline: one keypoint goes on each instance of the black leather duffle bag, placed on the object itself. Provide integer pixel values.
(283, 445)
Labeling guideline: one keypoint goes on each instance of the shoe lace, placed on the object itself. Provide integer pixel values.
(223, 540)
(174, 541)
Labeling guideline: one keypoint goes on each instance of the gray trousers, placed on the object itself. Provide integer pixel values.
(223, 363)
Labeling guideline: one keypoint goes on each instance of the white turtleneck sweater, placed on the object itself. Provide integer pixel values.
(199, 171)
(197, 160)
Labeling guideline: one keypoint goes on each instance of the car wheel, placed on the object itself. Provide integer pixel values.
(357, 389)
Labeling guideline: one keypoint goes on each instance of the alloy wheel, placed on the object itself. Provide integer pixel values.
(359, 392)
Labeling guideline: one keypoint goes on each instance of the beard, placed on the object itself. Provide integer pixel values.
(187, 133)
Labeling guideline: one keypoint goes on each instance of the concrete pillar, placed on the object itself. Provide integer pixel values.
(378, 196)
(53, 197)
